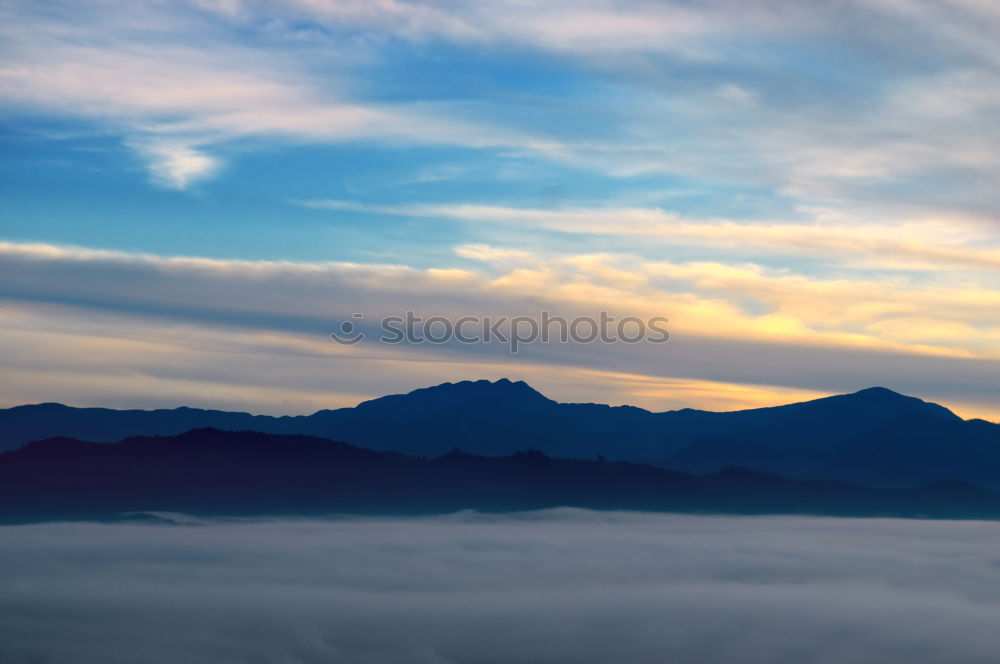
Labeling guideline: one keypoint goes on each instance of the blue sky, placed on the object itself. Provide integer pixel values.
(808, 190)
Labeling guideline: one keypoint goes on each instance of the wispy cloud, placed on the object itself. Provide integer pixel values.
(174, 102)
(748, 93)
(913, 245)
(176, 165)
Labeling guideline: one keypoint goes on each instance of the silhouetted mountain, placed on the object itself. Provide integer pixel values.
(847, 437)
(207, 471)
(23, 424)
(874, 436)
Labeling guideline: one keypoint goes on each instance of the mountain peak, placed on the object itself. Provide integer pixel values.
(879, 391)
(503, 387)
(883, 397)
(500, 392)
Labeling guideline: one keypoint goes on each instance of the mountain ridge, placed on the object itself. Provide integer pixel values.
(832, 438)
(213, 472)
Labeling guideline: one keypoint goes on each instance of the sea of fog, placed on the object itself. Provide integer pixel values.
(543, 587)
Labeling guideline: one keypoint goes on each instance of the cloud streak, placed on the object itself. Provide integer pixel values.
(791, 332)
(927, 244)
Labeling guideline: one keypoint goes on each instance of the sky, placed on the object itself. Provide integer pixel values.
(559, 586)
(194, 194)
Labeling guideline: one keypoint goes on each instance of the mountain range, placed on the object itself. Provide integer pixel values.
(875, 437)
(239, 473)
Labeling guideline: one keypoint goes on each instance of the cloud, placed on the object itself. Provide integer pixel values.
(704, 296)
(176, 166)
(553, 586)
(173, 102)
(784, 96)
(566, 27)
(90, 358)
(906, 245)
(730, 325)
(838, 114)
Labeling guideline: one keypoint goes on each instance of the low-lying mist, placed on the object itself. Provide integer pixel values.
(545, 587)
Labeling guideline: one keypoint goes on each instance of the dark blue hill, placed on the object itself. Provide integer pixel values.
(213, 472)
(874, 436)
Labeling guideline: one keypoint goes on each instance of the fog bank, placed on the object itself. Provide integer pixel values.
(556, 586)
